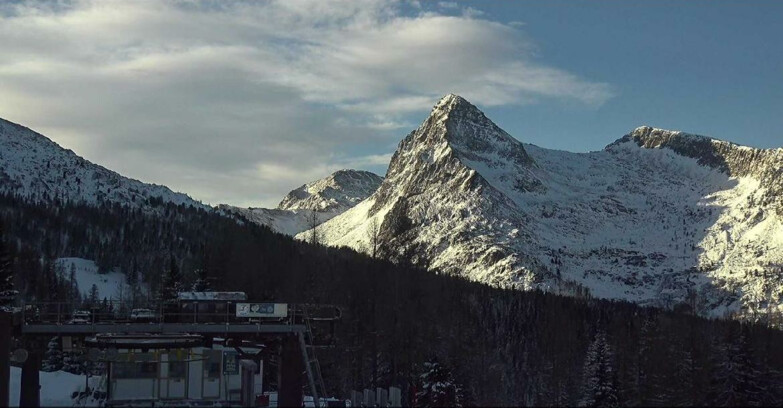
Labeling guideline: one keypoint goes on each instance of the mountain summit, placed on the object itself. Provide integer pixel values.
(314, 202)
(335, 193)
(471, 134)
(459, 147)
(659, 217)
(446, 184)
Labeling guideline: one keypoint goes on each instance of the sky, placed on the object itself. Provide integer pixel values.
(240, 102)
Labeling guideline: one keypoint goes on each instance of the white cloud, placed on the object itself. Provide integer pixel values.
(448, 4)
(241, 101)
(369, 160)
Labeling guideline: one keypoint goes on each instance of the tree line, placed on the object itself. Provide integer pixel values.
(444, 340)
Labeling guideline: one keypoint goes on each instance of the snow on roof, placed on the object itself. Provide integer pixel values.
(211, 296)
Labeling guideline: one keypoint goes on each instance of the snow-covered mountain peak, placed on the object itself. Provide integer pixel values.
(659, 217)
(469, 133)
(34, 167)
(448, 103)
(337, 192)
(459, 167)
(314, 202)
(457, 141)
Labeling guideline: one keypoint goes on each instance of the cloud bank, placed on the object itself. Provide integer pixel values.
(239, 102)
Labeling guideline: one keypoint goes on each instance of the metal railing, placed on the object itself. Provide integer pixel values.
(198, 312)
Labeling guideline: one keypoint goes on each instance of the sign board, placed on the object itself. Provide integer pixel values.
(262, 310)
(230, 363)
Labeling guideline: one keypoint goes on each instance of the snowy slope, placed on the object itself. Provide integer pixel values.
(336, 193)
(35, 167)
(85, 271)
(56, 388)
(322, 199)
(658, 217)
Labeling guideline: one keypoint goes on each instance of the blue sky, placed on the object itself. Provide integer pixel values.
(239, 102)
(708, 67)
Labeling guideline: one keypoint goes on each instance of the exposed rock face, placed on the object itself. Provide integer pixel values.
(765, 165)
(455, 138)
(658, 217)
(434, 196)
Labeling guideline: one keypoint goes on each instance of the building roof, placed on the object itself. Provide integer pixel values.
(224, 296)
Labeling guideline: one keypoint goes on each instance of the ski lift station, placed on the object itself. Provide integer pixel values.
(202, 349)
(177, 369)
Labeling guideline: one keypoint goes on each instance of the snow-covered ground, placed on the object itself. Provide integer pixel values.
(86, 274)
(56, 388)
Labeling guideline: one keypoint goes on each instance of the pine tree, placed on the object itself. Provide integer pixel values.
(93, 296)
(683, 395)
(74, 362)
(105, 306)
(47, 288)
(736, 380)
(649, 355)
(437, 387)
(201, 284)
(54, 356)
(599, 387)
(73, 294)
(171, 284)
(312, 224)
(7, 292)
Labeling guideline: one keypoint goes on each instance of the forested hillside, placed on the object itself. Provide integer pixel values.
(413, 328)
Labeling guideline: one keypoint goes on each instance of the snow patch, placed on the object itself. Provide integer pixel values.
(56, 388)
(86, 274)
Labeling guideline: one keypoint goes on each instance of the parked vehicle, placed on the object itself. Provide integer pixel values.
(80, 317)
(143, 316)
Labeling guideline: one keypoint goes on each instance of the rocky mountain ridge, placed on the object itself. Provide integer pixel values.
(658, 217)
(313, 203)
(34, 167)
(335, 193)
(765, 165)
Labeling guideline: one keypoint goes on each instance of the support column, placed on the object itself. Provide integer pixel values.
(6, 327)
(290, 373)
(30, 393)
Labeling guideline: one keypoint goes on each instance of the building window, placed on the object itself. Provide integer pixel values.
(148, 370)
(123, 370)
(135, 370)
(177, 369)
(212, 363)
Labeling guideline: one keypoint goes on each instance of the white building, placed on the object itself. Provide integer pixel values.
(179, 375)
